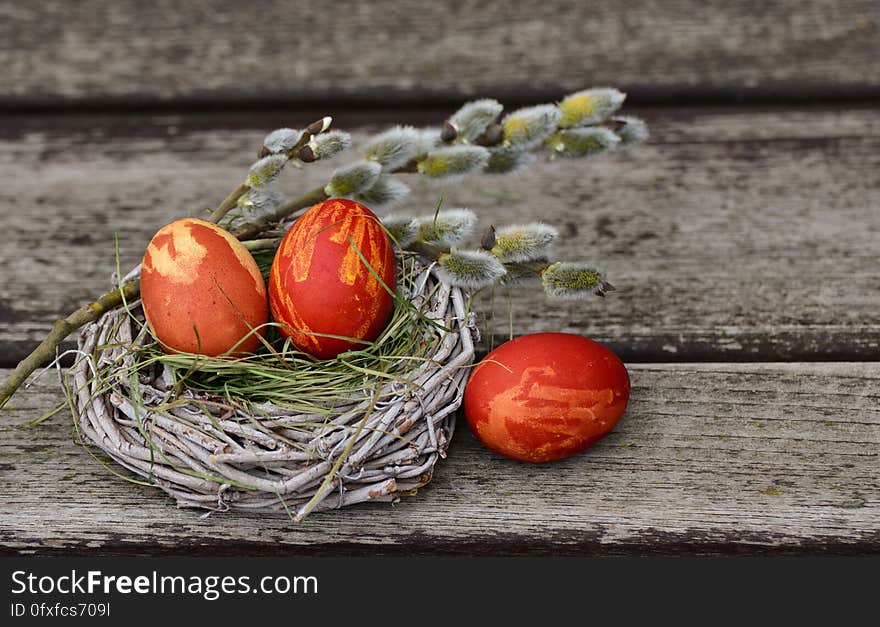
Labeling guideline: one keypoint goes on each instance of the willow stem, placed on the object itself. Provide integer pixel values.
(45, 352)
(269, 243)
(227, 205)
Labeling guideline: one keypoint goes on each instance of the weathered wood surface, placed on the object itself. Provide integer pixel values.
(732, 235)
(709, 458)
(201, 51)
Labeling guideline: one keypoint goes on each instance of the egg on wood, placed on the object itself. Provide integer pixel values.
(546, 396)
(327, 286)
(202, 291)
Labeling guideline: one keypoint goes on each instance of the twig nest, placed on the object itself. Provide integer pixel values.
(374, 440)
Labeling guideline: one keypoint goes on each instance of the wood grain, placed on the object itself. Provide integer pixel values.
(709, 458)
(730, 236)
(202, 51)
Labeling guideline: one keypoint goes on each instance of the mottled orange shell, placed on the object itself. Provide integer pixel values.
(546, 396)
(202, 291)
(320, 286)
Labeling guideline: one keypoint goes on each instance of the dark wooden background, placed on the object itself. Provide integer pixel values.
(744, 240)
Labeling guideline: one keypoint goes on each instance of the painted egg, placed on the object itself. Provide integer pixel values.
(320, 285)
(546, 396)
(202, 291)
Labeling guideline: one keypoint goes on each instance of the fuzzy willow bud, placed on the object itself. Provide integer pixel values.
(633, 131)
(453, 161)
(281, 140)
(328, 145)
(573, 280)
(448, 228)
(385, 192)
(265, 170)
(470, 269)
(259, 201)
(530, 126)
(474, 118)
(393, 148)
(581, 142)
(401, 229)
(429, 139)
(353, 179)
(507, 159)
(526, 242)
(590, 106)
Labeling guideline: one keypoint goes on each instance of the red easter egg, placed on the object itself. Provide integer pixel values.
(201, 289)
(320, 286)
(546, 396)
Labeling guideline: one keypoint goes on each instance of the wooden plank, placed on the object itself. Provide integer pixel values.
(709, 458)
(199, 51)
(731, 236)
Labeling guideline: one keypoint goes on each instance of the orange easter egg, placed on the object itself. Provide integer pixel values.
(202, 291)
(546, 396)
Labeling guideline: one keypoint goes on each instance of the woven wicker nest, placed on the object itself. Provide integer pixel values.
(381, 444)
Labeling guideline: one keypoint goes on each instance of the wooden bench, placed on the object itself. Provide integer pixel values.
(744, 240)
